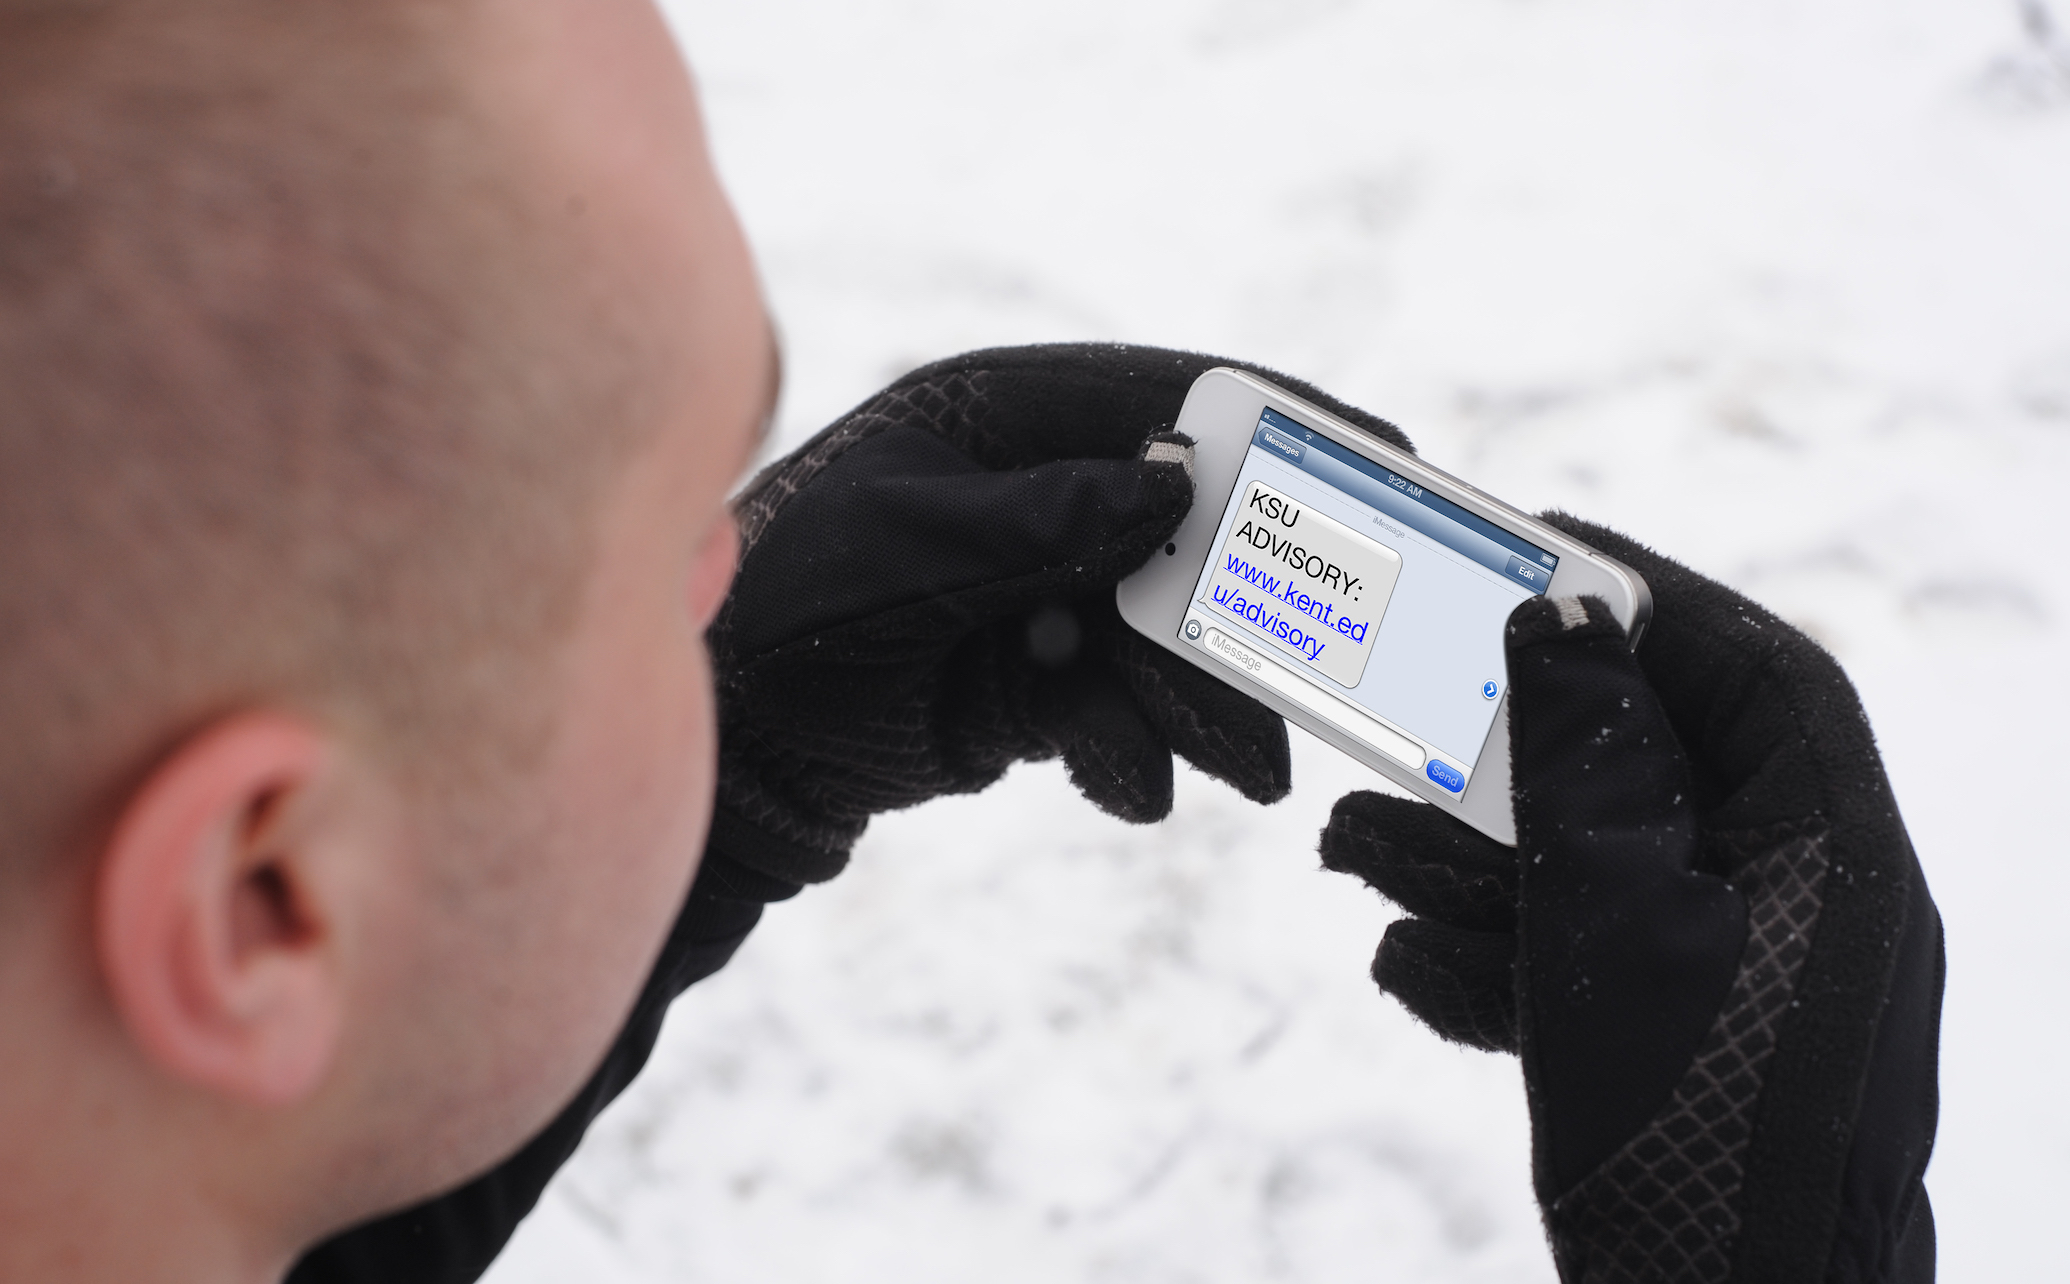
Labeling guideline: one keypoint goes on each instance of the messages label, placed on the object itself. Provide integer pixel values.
(1311, 586)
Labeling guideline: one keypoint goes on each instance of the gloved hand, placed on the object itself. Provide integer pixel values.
(925, 597)
(1712, 945)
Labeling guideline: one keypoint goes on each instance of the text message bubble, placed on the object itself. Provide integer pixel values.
(1309, 585)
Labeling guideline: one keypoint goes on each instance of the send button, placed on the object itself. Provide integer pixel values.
(1449, 777)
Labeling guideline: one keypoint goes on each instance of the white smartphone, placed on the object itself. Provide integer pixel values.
(1358, 591)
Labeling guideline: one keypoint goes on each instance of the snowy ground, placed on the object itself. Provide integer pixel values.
(1783, 289)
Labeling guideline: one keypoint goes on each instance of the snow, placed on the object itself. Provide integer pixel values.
(1783, 290)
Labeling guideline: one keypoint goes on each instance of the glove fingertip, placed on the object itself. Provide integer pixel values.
(1368, 828)
(1274, 778)
(1169, 448)
(1423, 861)
(1128, 780)
(1220, 731)
(1460, 984)
(1249, 754)
(1357, 817)
(1112, 753)
(1570, 619)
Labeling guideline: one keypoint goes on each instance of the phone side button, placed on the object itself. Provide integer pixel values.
(1444, 775)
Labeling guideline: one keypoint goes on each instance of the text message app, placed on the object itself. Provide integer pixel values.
(1308, 584)
(1358, 593)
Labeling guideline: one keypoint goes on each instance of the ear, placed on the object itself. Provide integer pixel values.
(218, 951)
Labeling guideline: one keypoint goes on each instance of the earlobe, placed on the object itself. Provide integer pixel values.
(214, 942)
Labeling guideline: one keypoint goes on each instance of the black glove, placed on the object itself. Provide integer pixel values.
(926, 597)
(1713, 945)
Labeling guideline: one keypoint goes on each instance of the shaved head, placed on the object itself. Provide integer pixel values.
(307, 389)
(373, 374)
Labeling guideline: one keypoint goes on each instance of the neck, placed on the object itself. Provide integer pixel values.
(91, 1191)
(101, 1176)
(78, 1236)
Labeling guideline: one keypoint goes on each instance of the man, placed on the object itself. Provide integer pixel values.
(372, 377)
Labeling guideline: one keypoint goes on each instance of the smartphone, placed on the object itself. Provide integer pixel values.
(1358, 591)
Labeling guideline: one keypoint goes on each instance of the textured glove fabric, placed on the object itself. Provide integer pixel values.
(1712, 947)
(925, 598)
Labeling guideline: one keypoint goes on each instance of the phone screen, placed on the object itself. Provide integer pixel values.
(1370, 589)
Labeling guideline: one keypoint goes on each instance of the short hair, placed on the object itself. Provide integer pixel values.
(291, 411)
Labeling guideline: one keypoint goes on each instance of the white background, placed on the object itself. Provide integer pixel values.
(1783, 289)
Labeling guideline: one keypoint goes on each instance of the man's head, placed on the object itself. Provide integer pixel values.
(372, 374)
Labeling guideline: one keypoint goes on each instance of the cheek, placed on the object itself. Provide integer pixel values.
(712, 573)
(633, 797)
(652, 799)
(544, 952)
(643, 737)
